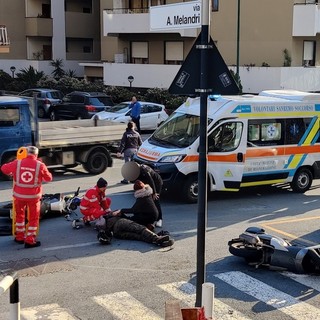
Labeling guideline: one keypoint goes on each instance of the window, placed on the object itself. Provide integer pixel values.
(277, 132)
(9, 116)
(225, 138)
(139, 52)
(309, 53)
(215, 5)
(87, 49)
(173, 52)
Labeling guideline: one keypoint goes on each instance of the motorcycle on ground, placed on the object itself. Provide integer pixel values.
(260, 249)
(52, 205)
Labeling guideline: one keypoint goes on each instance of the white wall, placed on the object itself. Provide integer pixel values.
(253, 79)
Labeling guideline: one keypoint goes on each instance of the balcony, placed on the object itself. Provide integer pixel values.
(39, 27)
(4, 40)
(125, 21)
(306, 21)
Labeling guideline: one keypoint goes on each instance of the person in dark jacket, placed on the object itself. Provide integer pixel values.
(144, 210)
(123, 228)
(132, 171)
(130, 142)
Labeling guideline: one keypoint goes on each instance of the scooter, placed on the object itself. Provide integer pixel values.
(260, 249)
(51, 205)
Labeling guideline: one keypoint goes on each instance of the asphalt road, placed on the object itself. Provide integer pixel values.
(72, 276)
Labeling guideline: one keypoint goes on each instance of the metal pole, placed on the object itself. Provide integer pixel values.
(238, 42)
(203, 146)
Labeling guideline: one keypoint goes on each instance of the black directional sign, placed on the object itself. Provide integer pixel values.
(220, 79)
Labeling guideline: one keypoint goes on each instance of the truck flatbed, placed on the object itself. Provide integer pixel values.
(71, 132)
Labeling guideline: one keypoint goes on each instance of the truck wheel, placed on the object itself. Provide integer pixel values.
(97, 162)
(190, 190)
(41, 112)
(302, 180)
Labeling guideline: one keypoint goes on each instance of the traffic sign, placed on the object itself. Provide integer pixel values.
(176, 16)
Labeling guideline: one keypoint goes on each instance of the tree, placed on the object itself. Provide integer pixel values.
(58, 71)
(28, 77)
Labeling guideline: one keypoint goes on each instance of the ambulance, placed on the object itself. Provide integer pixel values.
(265, 139)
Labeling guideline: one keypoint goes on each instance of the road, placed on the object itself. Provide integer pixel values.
(72, 276)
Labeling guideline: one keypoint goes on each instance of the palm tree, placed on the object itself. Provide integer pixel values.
(29, 76)
(58, 72)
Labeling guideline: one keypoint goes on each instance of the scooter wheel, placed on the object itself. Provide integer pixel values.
(239, 249)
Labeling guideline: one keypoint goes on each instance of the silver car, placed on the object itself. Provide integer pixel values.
(45, 98)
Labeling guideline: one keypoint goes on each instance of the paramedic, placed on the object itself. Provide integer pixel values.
(94, 203)
(28, 175)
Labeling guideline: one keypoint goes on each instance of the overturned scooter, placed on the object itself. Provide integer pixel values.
(261, 249)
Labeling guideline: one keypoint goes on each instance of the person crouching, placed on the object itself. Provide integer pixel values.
(94, 203)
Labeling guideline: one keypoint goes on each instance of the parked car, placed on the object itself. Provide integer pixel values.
(45, 97)
(152, 114)
(80, 105)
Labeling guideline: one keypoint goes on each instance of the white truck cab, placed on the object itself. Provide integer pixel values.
(253, 140)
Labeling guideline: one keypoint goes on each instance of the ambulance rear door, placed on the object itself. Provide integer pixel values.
(227, 144)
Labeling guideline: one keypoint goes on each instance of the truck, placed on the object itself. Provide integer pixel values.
(252, 140)
(61, 143)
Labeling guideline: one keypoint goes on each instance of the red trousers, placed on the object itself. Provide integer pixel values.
(22, 233)
(93, 214)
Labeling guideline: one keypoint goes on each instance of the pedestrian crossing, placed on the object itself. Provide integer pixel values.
(125, 306)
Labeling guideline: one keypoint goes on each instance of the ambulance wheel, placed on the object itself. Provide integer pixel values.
(302, 180)
(190, 189)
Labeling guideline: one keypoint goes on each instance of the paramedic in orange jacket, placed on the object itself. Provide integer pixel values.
(28, 175)
(94, 203)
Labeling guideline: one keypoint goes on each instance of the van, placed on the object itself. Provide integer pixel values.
(253, 140)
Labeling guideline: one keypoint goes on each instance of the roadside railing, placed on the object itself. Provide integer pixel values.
(11, 281)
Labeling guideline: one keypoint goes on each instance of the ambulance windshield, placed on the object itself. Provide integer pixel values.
(181, 130)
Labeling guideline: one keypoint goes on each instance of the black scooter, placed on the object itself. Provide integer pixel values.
(261, 249)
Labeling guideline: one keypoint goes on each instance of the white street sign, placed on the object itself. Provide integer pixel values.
(176, 16)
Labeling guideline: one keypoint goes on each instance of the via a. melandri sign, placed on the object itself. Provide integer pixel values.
(176, 16)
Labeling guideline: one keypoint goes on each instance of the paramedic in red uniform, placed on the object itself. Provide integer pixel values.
(94, 203)
(28, 175)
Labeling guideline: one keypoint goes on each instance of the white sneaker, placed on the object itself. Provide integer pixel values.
(159, 223)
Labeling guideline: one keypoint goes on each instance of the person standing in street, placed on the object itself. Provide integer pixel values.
(28, 175)
(130, 142)
(135, 107)
(94, 203)
(133, 171)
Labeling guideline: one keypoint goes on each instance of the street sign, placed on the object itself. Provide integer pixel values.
(176, 16)
(220, 80)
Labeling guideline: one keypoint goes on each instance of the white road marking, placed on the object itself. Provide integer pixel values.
(305, 279)
(123, 306)
(186, 292)
(47, 311)
(279, 300)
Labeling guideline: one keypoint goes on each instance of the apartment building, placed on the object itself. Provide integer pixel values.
(39, 31)
(274, 43)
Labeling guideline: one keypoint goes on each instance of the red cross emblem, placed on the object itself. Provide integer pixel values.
(27, 176)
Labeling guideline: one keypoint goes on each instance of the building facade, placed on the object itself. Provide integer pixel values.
(40, 31)
(274, 44)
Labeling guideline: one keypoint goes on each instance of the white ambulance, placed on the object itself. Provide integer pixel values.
(253, 140)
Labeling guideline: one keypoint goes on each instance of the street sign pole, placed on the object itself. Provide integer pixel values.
(203, 146)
